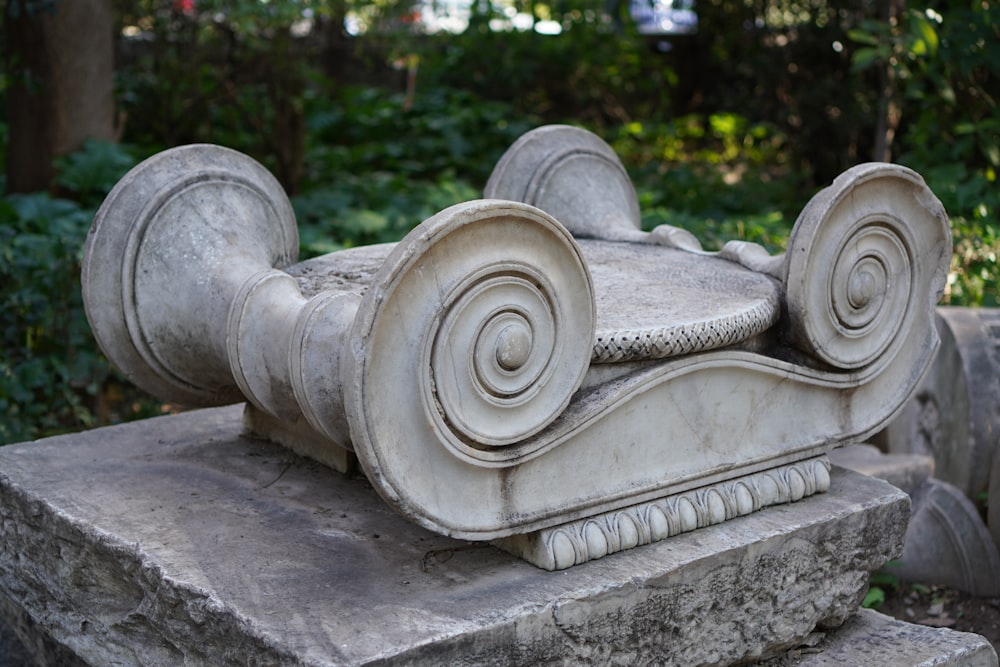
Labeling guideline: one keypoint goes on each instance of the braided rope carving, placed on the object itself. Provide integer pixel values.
(632, 344)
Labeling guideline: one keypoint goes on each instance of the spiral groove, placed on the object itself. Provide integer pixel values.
(852, 275)
(870, 286)
(487, 311)
(494, 352)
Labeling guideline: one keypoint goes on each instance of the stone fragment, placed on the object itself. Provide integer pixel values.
(904, 471)
(534, 353)
(955, 414)
(175, 540)
(947, 543)
(871, 638)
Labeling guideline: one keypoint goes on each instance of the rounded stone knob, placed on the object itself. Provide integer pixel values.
(513, 347)
(863, 287)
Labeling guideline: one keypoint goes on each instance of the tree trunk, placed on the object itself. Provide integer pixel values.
(61, 63)
(889, 107)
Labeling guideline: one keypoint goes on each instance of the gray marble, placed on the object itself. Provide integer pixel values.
(530, 364)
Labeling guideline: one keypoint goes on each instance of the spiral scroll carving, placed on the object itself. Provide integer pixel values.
(861, 260)
(504, 305)
(493, 356)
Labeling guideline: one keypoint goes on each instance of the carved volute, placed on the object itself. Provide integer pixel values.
(531, 367)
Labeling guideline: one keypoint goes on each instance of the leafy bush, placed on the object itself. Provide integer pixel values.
(593, 72)
(364, 130)
(943, 71)
(52, 375)
(375, 168)
(952, 136)
(50, 367)
(372, 208)
(87, 175)
(727, 135)
(720, 176)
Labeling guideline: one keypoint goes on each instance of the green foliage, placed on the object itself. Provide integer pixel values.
(946, 72)
(371, 130)
(371, 208)
(784, 63)
(374, 170)
(879, 583)
(52, 375)
(90, 173)
(591, 72)
(874, 598)
(228, 72)
(50, 367)
(901, 44)
(952, 136)
(721, 177)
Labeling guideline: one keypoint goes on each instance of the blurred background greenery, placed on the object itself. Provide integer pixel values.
(376, 115)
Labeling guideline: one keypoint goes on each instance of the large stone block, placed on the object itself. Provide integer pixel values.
(175, 540)
(871, 638)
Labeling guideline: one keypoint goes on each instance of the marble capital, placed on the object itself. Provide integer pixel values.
(533, 359)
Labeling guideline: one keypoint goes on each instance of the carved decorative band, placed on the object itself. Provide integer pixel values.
(589, 539)
(629, 345)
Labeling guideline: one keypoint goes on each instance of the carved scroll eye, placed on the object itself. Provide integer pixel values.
(513, 346)
(498, 299)
(494, 355)
(862, 255)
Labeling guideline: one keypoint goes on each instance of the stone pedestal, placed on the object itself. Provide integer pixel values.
(871, 638)
(177, 540)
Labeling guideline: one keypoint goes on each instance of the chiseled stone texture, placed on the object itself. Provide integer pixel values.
(24, 643)
(871, 638)
(175, 540)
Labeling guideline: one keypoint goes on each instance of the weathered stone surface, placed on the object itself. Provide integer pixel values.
(948, 543)
(23, 643)
(597, 536)
(904, 471)
(955, 414)
(174, 540)
(871, 638)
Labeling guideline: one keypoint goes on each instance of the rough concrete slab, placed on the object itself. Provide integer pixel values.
(175, 541)
(871, 638)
